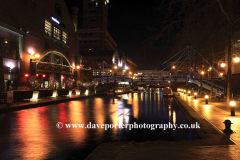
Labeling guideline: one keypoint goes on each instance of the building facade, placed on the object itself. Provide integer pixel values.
(93, 33)
(37, 39)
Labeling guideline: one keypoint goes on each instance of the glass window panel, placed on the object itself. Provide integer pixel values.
(48, 28)
(56, 33)
(64, 37)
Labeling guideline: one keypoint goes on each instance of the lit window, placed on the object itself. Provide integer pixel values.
(48, 28)
(56, 33)
(64, 37)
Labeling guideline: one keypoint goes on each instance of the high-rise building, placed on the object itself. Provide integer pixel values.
(94, 29)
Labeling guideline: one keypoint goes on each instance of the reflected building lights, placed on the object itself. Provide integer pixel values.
(169, 112)
(174, 117)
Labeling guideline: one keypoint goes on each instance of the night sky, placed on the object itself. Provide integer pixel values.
(130, 23)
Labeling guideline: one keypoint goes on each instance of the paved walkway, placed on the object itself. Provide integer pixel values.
(215, 113)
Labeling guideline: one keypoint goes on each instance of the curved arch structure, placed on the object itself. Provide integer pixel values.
(55, 62)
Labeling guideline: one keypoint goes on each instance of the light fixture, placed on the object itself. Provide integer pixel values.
(195, 95)
(43, 75)
(78, 67)
(10, 65)
(206, 98)
(232, 105)
(37, 55)
(173, 67)
(115, 67)
(236, 59)
(31, 51)
(26, 75)
(222, 65)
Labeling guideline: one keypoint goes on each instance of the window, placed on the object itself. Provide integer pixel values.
(48, 28)
(56, 33)
(93, 20)
(92, 26)
(64, 37)
(95, 73)
(92, 11)
(56, 59)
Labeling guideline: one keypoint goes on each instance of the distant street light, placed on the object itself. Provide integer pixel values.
(195, 95)
(236, 59)
(206, 98)
(232, 104)
(222, 65)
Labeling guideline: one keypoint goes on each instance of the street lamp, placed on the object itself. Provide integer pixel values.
(189, 92)
(195, 95)
(222, 65)
(184, 91)
(206, 98)
(232, 104)
(236, 59)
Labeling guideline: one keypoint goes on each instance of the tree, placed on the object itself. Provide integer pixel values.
(35, 81)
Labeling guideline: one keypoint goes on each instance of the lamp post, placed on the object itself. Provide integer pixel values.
(206, 99)
(232, 105)
(202, 73)
(195, 95)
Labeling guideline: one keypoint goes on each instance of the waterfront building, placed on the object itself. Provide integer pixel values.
(37, 39)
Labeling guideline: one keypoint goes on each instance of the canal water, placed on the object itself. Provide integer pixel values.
(33, 133)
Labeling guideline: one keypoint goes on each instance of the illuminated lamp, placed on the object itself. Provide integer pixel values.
(31, 51)
(236, 59)
(206, 98)
(78, 67)
(26, 75)
(70, 93)
(222, 65)
(37, 55)
(54, 94)
(55, 20)
(35, 95)
(43, 75)
(86, 92)
(37, 74)
(232, 104)
(10, 65)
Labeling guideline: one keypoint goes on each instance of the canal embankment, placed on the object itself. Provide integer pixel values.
(213, 141)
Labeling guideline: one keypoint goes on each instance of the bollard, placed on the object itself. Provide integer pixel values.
(228, 124)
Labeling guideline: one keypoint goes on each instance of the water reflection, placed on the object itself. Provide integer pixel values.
(33, 132)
